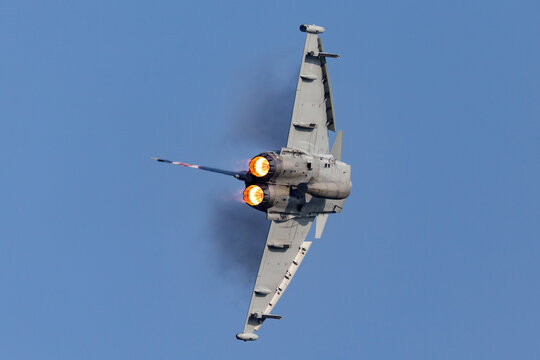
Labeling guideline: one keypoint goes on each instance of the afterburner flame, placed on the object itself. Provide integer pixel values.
(253, 195)
(259, 166)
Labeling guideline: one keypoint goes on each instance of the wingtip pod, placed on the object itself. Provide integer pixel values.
(314, 29)
(247, 336)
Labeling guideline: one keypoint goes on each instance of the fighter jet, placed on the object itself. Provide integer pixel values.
(302, 183)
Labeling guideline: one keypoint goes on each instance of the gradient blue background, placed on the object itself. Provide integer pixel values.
(105, 254)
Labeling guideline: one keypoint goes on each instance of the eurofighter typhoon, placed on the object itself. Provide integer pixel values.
(301, 184)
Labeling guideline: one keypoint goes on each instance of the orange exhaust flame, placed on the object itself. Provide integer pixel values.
(253, 195)
(259, 166)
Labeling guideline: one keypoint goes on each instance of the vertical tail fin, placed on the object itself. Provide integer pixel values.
(338, 143)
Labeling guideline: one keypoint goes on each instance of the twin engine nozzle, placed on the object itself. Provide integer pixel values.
(271, 177)
(261, 169)
(259, 166)
(253, 195)
(264, 167)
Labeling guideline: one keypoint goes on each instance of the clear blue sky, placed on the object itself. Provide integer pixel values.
(105, 254)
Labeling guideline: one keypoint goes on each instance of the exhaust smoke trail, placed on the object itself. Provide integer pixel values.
(263, 115)
(238, 234)
(260, 118)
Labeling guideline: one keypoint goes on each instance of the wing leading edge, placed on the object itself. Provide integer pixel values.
(313, 111)
(284, 251)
